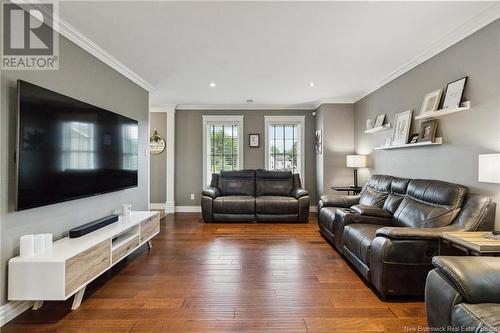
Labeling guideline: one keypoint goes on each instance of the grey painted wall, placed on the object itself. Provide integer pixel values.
(337, 124)
(465, 134)
(189, 149)
(83, 77)
(158, 163)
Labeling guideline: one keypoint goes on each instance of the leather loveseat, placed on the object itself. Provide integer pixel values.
(255, 195)
(391, 231)
(462, 294)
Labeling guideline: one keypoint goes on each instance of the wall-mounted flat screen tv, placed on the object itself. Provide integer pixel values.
(68, 149)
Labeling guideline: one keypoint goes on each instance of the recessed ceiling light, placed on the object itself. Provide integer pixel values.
(311, 84)
(212, 84)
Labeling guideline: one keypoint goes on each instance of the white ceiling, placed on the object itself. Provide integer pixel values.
(267, 51)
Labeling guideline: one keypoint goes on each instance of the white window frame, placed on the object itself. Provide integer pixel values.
(292, 120)
(222, 120)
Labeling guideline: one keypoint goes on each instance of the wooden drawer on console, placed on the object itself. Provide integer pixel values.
(125, 249)
(150, 228)
(87, 265)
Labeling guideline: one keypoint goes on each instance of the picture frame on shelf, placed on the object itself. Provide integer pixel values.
(369, 124)
(427, 131)
(454, 93)
(254, 140)
(413, 138)
(402, 124)
(379, 121)
(431, 101)
(387, 142)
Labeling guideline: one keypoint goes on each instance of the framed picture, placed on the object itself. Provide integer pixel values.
(431, 101)
(454, 93)
(254, 140)
(387, 142)
(413, 138)
(402, 124)
(427, 131)
(319, 142)
(379, 121)
(369, 124)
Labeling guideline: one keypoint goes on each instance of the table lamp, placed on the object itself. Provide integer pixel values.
(356, 162)
(489, 168)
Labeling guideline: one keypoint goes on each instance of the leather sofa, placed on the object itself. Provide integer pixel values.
(255, 195)
(462, 294)
(391, 231)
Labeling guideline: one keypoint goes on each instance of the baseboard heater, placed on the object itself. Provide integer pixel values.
(92, 226)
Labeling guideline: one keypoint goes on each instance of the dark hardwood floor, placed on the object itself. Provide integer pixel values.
(229, 278)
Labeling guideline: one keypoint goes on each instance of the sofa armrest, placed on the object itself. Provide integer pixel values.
(341, 201)
(211, 192)
(415, 233)
(477, 278)
(299, 193)
(370, 211)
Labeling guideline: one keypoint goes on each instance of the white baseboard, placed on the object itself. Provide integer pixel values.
(157, 206)
(169, 207)
(188, 209)
(13, 309)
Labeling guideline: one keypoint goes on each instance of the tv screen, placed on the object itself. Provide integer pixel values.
(68, 149)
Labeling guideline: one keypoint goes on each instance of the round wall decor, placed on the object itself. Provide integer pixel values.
(156, 143)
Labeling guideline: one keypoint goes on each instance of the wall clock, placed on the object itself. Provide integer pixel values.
(156, 143)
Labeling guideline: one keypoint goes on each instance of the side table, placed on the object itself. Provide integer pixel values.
(471, 243)
(348, 189)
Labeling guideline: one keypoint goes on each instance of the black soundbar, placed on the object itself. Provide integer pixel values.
(92, 226)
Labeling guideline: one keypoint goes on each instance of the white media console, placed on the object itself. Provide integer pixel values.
(75, 262)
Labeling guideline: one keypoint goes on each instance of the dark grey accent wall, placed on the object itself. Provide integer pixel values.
(83, 77)
(337, 124)
(465, 134)
(189, 149)
(158, 163)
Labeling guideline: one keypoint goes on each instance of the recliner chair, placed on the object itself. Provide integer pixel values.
(391, 231)
(462, 294)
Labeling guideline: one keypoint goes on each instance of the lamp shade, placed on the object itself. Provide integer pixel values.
(356, 161)
(489, 168)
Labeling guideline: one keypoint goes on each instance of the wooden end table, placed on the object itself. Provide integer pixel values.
(348, 189)
(472, 243)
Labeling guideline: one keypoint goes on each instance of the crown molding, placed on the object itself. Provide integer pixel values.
(164, 108)
(305, 106)
(67, 30)
(484, 18)
(244, 107)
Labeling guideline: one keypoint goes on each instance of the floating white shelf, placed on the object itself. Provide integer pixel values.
(379, 129)
(437, 141)
(440, 113)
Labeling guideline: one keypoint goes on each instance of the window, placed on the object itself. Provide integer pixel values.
(285, 143)
(222, 145)
(129, 147)
(78, 146)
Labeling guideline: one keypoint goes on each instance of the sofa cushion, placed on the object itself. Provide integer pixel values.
(269, 204)
(430, 204)
(399, 187)
(241, 182)
(234, 204)
(376, 191)
(278, 183)
(358, 239)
